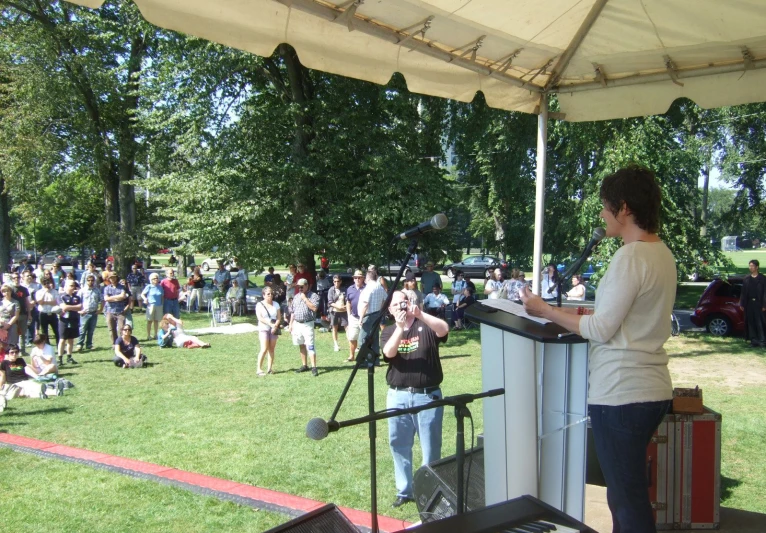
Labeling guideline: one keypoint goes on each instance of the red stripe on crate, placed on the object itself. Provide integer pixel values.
(281, 499)
(703, 472)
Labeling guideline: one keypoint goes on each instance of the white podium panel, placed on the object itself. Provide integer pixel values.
(535, 434)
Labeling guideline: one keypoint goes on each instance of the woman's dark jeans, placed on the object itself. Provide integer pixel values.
(621, 434)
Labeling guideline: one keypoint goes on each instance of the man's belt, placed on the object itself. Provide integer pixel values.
(416, 390)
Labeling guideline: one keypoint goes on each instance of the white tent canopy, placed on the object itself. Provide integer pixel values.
(603, 58)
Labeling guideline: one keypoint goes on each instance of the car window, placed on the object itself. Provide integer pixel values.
(729, 290)
(469, 260)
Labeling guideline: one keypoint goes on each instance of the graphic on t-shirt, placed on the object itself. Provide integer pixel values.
(15, 367)
(409, 345)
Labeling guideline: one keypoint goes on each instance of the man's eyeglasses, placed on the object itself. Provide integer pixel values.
(336, 281)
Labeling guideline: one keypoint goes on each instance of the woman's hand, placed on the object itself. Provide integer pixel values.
(533, 304)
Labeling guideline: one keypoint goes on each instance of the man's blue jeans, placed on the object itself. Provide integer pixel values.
(172, 307)
(401, 434)
(621, 434)
(87, 327)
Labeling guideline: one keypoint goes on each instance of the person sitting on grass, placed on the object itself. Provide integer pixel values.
(43, 358)
(17, 379)
(172, 334)
(127, 350)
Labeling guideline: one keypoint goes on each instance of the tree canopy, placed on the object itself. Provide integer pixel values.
(116, 133)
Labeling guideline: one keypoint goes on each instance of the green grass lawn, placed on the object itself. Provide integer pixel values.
(207, 412)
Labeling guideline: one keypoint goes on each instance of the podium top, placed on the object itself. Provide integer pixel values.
(546, 333)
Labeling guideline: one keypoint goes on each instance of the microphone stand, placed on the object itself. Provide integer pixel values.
(460, 403)
(366, 356)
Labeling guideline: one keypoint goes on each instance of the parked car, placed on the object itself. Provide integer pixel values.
(413, 265)
(253, 295)
(586, 274)
(476, 265)
(56, 257)
(211, 263)
(718, 307)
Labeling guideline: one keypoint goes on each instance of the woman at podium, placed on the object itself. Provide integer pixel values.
(629, 386)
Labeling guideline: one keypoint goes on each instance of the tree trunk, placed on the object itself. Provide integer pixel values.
(705, 187)
(5, 228)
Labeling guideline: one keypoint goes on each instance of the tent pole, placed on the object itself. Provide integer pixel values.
(542, 146)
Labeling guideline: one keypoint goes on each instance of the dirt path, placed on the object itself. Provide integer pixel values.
(723, 371)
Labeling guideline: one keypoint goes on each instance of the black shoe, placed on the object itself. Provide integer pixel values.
(401, 500)
(304, 368)
(71, 361)
(314, 372)
(61, 361)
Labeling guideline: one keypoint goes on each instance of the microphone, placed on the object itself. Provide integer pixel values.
(318, 428)
(598, 234)
(438, 222)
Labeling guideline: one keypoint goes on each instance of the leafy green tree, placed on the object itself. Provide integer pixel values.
(79, 76)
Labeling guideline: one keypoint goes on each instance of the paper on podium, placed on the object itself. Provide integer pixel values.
(512, 307)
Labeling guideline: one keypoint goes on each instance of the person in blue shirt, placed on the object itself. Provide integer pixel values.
(152, 296)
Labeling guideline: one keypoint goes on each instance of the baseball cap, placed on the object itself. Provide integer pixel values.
(303, 281)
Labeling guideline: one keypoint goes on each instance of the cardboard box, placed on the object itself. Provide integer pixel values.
(687, 401)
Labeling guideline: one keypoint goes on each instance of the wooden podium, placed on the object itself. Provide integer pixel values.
(535, 435)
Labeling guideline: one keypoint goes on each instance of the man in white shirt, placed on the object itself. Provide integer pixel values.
(370, 305)
(435, 302)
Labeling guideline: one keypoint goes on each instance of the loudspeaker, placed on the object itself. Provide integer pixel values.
(327, 519)
(435, 485)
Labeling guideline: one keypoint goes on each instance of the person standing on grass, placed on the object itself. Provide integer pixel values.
(222, 278)
(9, 315)
(127, 350)
(197, 285)
(92, 302)
(171, 290)
(752, 301)
(370, 307)
(352, 311)
(115, 302)
(21, 295)
(152, 297)
(336, 303)
(305, 305)
(47, 298)
(629, 385)
(136, 282)
(69, 322)
(414, 376)
(429, 278)
(269, 317)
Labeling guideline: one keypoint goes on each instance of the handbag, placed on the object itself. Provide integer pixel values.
(279, 326)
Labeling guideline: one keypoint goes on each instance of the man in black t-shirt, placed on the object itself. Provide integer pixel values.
(411, 347)
(21, 296)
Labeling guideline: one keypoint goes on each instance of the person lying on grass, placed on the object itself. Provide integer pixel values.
(172, 333)
(17, 380)
(127, 350)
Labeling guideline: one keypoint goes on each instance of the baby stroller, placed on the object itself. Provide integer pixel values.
(221, 312)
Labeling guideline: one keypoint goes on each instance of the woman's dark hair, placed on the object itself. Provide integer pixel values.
(555, 277)
(756, 263)
(40, 338)
(636, 188)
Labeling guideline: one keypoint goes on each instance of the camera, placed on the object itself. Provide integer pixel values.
(403, 305)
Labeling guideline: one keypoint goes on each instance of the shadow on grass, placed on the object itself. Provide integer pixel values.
(53, 410)
(461, 337)
(727, 486)
(455, 356)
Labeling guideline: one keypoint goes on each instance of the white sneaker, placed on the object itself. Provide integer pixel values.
(337, 348)
(3, 403)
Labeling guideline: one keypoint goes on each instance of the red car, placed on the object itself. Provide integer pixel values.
(718, 307)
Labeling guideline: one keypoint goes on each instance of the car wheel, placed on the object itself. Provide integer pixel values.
(205, 266)
(719, 325)
(450, 273)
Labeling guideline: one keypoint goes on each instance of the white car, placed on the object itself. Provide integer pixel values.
(211, 263)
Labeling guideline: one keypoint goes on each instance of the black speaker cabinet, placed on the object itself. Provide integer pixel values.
(327, 519)
(435, 485)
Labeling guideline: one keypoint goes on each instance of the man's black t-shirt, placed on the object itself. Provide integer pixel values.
(21, 295)
(417, 362)
(14, 371)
